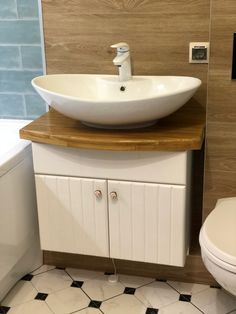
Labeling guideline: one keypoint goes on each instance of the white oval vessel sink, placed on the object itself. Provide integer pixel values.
(104, 101)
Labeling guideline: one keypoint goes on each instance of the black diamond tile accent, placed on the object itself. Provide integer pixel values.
(61, 268)
(77, 284)
(27, 277)
(151, 311)
(95, 304)
(162, 280)
(4, 309)
(107, 273)
(41, 296)
(129, 290)
(185, 297)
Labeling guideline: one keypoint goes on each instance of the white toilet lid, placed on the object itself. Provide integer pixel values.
(219, 230)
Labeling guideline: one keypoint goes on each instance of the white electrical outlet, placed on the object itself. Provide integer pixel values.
(199, 52)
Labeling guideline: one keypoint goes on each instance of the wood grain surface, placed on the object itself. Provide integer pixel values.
(78, 35)
(183, 130)
(220, 160)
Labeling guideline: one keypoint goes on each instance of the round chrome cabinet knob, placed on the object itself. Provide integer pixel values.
(114, 196)
(98, 194)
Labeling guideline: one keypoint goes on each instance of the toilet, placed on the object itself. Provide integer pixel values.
(218, 243)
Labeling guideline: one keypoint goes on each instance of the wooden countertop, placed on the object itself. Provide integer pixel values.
(183, 130)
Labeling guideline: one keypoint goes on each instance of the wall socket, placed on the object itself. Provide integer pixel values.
(199, 52)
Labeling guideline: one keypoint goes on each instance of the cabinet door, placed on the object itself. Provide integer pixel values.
(147, 222)
(71, 217)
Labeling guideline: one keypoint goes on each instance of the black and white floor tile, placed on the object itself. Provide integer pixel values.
(50, 290)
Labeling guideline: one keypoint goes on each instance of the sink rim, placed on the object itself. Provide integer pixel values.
(196, 85)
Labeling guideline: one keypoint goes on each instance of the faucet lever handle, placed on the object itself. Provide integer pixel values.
(121, 47)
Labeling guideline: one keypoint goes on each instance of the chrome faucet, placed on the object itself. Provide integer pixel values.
(122, 61)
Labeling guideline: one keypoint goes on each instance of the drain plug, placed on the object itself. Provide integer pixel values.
(122, 89)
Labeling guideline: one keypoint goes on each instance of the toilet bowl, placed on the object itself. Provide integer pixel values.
(218, 243)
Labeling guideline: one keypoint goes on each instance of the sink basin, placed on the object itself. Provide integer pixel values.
(103, 101)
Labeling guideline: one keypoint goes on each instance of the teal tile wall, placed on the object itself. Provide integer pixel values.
(19, 32)
(31, 57)
(20, 59)
(8, 9)
(14, 109)
(10, 57)
(27, 8)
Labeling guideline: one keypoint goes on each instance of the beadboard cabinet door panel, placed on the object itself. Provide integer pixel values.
(71, 218)
(147, 222)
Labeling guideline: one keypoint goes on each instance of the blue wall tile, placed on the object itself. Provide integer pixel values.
(9, 57)
(12, 106)
(19, 32)
(35, 106)
(17, 81)
(20, 59)
(8, 9)
(31, 57)
(27, 8)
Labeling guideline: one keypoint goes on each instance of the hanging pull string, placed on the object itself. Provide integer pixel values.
(113, 278)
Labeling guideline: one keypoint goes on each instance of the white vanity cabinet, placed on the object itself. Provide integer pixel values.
(124, 205)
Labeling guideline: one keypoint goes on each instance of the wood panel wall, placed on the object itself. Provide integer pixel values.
(220, 159)
(78, 35)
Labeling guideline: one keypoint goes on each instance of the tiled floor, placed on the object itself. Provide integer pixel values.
(51, 290)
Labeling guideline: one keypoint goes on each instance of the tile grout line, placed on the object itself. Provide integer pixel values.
(82, 290)
(182, 293)
(21, 59)
(80, 287)
(77, 311)
(142, 287)
(46, 292)
(20, 44)
(17, 13)
(24, 106)
(42, 292)
(19, 19)
(31, 273)
(197, 307)
(21, 68)
(48, 306)
(22, 302)
(17, 93)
